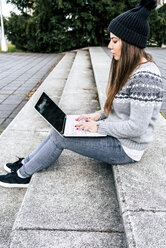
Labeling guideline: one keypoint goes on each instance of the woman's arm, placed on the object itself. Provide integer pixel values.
(94, 116)
(145, 97)
(135, 126)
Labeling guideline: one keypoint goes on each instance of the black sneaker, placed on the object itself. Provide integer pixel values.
(11, 167)
(12, 180)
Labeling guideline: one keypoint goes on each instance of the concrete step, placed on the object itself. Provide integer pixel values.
(72, 203)
(101, 65)
(23, 134)
(140, 186)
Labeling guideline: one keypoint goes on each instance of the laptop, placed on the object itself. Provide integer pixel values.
(56, 118)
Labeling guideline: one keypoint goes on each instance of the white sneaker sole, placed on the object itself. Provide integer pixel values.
(7, 169)
(12, 185)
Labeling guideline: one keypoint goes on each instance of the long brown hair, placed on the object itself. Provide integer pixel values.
(122, 69)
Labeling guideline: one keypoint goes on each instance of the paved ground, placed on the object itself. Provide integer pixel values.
(159, 55)
(19, 73)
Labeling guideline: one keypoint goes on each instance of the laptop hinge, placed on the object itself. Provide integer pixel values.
(63, 126)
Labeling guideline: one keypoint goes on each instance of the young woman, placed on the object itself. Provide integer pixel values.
(134, 97)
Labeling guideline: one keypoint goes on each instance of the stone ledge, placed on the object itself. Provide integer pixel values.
(66, 239)
(20, 138)
(140, 186)
(141, 193)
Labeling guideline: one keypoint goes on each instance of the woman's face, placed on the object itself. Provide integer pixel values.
(115, 46)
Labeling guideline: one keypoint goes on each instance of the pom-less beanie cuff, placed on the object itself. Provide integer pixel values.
(128, 35)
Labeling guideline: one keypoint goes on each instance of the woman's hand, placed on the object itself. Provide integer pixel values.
(88, 124)
(94, 116)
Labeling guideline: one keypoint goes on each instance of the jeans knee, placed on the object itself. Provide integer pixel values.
(57, 139)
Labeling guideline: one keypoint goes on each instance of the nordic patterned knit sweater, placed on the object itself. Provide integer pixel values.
(135, 110)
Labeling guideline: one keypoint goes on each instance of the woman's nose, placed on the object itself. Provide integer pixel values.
(110, 45)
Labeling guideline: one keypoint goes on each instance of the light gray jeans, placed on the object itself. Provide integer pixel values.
(107, 149)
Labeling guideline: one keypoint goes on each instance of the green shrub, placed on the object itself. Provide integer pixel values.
(15, 29)
(61, 25)
(158, 26)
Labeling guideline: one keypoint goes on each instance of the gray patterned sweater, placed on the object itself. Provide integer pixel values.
(135, 109)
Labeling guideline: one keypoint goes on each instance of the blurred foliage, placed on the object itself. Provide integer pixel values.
(15, 29)
(61, 25)
(157, 22)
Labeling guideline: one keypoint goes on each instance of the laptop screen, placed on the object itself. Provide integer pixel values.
(51, 112)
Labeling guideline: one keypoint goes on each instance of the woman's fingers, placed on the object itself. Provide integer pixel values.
(94, 116)
(84, 116)
(82, 124)
(87, 125)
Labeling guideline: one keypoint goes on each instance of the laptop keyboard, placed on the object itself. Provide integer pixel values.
(71, 130)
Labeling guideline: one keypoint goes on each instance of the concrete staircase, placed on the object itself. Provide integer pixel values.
(74, 202)
(24, 133)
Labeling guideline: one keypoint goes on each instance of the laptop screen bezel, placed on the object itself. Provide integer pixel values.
(57, 126)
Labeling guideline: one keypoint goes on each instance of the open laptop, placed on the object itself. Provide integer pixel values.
(62, 123)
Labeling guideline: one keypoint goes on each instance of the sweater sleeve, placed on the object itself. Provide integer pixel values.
(134, 127)
(142, 100)
(103, 116)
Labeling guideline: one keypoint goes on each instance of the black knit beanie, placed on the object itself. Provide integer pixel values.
(132, 26)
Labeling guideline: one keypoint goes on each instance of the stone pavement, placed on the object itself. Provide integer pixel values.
(19, 74)
(13, 144)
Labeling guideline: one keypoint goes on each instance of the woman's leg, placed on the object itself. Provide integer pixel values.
(30, 156)
(106, 149)
(44, 156)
